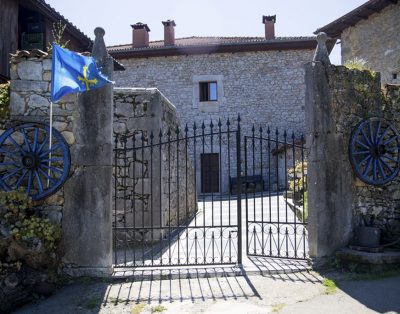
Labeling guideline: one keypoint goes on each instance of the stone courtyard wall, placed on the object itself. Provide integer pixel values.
(155, 187)
(376, 40)
(338, 99)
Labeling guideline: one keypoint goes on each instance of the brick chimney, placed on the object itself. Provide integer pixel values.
(269, 21)
(140, 35)
(169, 32)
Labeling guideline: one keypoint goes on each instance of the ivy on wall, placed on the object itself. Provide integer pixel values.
(4, 101)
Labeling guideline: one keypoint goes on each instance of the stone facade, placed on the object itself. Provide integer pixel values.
(266, 88)
(154, 185)
(338, 99)
(376, 40)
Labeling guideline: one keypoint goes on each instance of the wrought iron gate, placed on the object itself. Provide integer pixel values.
(276, 216)
(161, 218)
(167, 213)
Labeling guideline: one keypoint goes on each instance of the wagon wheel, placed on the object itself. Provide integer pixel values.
(374, 151)
(27, 161)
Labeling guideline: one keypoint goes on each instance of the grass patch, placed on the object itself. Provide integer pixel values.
(158, 309)
(91, 303)
(376, 276)
(116, 300)
(330, 286)
(138, 308)
(277, 307)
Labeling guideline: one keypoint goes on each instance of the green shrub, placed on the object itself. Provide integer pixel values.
(4, 101)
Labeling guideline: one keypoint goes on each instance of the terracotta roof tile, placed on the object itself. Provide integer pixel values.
(208, 41)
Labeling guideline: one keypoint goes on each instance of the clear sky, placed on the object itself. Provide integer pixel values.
(203, 17)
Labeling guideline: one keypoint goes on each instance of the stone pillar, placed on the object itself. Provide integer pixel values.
(87, 227)
(337, 100)
(329, 172)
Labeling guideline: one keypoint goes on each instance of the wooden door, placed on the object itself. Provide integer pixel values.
(210, 173)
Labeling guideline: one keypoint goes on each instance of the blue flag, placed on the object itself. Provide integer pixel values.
(73, 73)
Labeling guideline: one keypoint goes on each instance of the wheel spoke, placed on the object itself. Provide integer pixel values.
(374, 170)
(361, 143)
(35, 140)
(381, 169)
(386, 165)
(362, 161)
(383, 135)
(53, 181)
(54, 159)
(377, 131)
(8, 153)
(20, 179)
(390, 158)
(55, 147)
(39, 182)
(54, 169)
(367, 167)
(43, 143)
(371, 135)
(363, 152)
(9, 163)
(26, 140)
(390, 140)
(11, 174)
(16, 144)
(28, 190)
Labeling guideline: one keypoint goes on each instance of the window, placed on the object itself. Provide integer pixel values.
(394, 76)
(208, 91)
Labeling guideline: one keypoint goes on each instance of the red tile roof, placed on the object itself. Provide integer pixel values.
(202, 45)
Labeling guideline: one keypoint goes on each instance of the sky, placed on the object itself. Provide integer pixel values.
(203, 18)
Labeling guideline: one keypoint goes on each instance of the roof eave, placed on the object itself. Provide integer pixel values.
(335, 28)
(208, 49)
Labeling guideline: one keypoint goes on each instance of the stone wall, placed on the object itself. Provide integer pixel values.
(29, 102)
(338, 99)
(376, 40)
(155, 185)
(265, 88)
(82, 206)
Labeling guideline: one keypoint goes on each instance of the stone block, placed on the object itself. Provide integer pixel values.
(37, 101)
(69, 137)
(142, 186)
(30, 86)
(87, 214)
(46, 64)
(47, 76)
(30, 70)
(17, 104)
(123, 109)
(60, 126)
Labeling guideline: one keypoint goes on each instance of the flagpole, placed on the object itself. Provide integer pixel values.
(50, 142)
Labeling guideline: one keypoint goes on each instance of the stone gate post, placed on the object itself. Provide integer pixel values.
(87, 229)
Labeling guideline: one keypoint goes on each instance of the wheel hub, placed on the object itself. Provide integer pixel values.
(30, 161)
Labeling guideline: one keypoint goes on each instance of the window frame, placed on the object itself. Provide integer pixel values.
(208, 94)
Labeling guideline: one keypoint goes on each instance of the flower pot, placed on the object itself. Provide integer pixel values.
(368, 236)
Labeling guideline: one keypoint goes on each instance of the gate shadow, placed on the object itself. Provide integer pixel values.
(185, 285)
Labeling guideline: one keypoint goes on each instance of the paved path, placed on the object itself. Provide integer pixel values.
(286, 293)
(212, 236)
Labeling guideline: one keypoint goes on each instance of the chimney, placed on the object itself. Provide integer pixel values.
(169, 32)
(269, 21)
(140, 35)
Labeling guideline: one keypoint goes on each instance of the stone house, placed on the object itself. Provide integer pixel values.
(371, 32)
(212, 78)
(28, 24)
